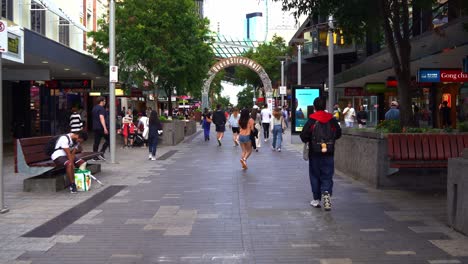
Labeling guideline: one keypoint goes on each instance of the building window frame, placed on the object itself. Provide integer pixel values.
(38, 18)
(7, 9)
(64, 31)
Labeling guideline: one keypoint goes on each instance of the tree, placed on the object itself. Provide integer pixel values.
(223, 101)
(244, 97)
(163, 41)
(357, 17)
(267, 55)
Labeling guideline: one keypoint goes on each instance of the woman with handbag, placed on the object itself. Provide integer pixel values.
(277, 128)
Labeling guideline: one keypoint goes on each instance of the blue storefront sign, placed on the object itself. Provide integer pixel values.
(429, 76)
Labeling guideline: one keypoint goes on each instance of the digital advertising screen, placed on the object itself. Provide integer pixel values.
(302, 98)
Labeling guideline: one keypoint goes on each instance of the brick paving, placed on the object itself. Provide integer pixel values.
(196, 205)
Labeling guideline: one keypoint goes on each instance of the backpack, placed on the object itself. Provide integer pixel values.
(323, 138)
(49, 148)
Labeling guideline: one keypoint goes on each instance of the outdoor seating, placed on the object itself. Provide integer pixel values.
(424, 150)
(30, 159)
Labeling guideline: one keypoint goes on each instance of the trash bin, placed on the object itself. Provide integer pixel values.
(457, 193)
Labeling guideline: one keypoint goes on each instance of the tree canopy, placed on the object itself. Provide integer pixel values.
(369, 18)
(268, 56)
(163, 41)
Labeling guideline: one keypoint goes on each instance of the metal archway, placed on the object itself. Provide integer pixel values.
(234, 61)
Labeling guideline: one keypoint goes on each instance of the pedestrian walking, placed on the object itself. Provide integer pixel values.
(266, 119)
(285, 115)
(219, 119)
(143, 126)
(154, 130)
(361, 117)
(320, 132)
(106, 137)
(349, 115)
(255, 137)
(246, 124)
(76, 124)
(277, 128)
(234, 125)
(206, 123)
(99, 126)
(128, 129)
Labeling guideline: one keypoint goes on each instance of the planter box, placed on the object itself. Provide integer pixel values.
(190, 127)
(173, 132)
(362, 155)
(457, 195)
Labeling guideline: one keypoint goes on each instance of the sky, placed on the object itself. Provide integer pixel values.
(228, 18)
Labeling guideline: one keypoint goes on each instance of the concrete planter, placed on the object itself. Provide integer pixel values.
(173, 132)
(362, 155)
(457, 196)
(190, 127)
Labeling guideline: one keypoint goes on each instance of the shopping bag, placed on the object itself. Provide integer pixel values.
(83, 180)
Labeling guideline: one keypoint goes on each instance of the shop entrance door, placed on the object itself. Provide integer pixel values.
(372, 105)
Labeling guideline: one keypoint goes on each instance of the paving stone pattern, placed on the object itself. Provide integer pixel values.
(198, 206)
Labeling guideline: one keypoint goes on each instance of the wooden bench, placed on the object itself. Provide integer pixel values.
(424, 150)
(30, 159)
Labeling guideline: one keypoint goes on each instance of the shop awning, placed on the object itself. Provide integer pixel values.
(378, 88)
(49, 5)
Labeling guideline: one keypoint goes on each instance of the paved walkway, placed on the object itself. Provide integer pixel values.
(196, 205)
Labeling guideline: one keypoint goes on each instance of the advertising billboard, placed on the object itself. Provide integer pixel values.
(302, 98)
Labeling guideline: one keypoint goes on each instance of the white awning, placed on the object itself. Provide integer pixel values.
(49, 5)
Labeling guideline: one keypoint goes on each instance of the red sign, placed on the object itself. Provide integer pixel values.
(354, 91)
(392, 83)
(453, 76)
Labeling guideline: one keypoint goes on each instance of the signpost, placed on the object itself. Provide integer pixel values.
(3, 48)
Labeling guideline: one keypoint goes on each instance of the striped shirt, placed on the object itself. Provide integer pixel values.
(75, 122)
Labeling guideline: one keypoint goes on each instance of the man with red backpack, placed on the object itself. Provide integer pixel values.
(320, 132)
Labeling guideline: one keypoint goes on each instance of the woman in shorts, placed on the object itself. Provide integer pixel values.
(246, 125)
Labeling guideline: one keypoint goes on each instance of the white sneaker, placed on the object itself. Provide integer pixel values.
(315, 203)
(265, 140)
(150, 156)
(279, 149)
(153, 158)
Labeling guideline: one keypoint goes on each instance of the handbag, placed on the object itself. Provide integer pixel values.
(283, 124)
(305, 151)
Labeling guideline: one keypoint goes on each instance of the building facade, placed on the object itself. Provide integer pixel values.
(365, 77)
(47, 69)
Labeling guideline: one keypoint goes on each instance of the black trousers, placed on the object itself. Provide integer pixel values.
(266, 130)
(98, 134)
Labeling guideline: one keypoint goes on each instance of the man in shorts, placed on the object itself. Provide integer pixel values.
(64, 155)
(219, 119)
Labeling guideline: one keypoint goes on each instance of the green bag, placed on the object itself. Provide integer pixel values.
(82, 180)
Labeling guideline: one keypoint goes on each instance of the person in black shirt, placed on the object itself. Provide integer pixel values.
(99, 126)
(445, 112)
(219, 119)
(361, 117)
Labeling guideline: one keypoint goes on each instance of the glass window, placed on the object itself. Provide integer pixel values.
(7, 9)
(64, 31)
(38, 18)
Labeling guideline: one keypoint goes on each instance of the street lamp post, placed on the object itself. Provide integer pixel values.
(282, 81)
(112, 115)
(331, 90)
(299, 64)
